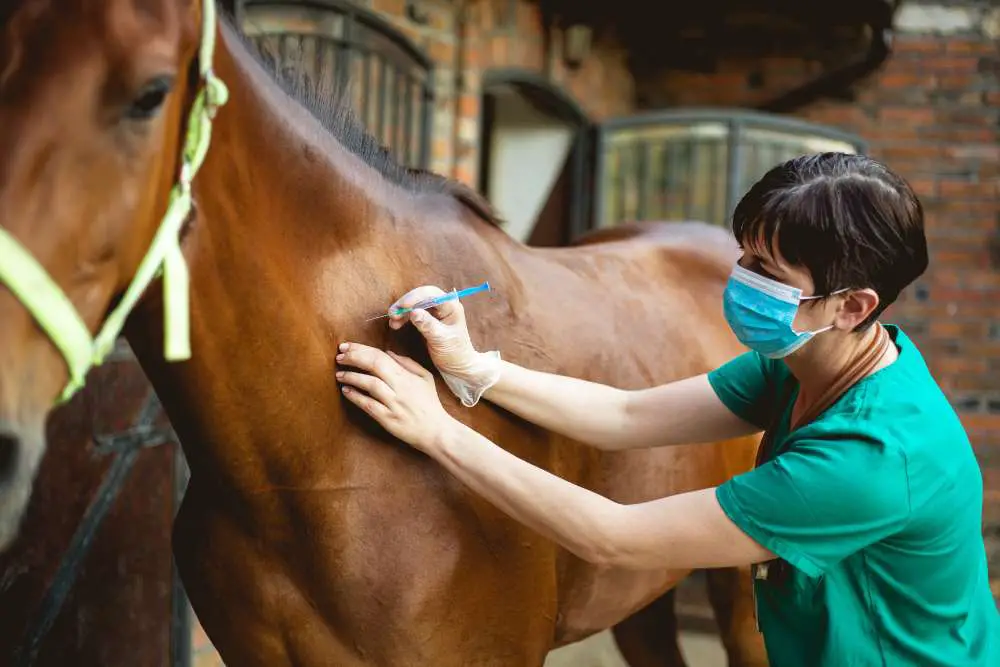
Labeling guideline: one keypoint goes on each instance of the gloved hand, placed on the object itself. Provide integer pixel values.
(467, 373)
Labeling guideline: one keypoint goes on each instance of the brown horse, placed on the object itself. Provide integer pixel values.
(307, 536)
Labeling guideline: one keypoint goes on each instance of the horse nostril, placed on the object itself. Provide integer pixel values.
(10, 444)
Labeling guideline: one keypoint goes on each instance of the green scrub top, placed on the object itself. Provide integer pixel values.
(876, 506)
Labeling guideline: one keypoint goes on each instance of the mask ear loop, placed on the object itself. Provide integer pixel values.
(825, 296)
(821, 296)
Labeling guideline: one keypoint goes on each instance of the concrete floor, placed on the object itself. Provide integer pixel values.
(700, 650)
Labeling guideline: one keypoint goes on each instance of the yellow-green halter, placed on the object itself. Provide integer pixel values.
(50, 306)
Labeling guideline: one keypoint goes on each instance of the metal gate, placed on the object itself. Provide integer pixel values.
(696, 164)
(333, 46)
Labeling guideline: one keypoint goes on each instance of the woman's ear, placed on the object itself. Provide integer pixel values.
(855, 308)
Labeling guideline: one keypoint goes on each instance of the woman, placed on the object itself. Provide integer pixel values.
(863, 515)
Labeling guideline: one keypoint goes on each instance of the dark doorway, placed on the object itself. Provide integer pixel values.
(534, 151)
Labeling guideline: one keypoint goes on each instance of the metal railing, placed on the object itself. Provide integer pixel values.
(336, 47)
(696, 164)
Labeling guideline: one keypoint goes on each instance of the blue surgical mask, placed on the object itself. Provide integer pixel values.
(760, 311)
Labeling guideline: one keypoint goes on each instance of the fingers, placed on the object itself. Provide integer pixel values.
(410, 365)
(366, 403)
(429, 326)
(450, 312)
(369, 384)
(368, 359)
(416, 295)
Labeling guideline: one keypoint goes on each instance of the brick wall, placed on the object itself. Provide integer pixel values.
(497, 34)
(932, 113)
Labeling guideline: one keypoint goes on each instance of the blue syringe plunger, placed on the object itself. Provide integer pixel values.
(438, 300)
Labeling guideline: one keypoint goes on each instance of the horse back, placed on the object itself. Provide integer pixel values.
(632, 307)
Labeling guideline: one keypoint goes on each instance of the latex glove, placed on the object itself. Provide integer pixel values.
(467, 373)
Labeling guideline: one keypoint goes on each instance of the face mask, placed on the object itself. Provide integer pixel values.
(760, 311)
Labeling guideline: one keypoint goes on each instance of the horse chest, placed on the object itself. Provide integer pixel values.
(372, 580)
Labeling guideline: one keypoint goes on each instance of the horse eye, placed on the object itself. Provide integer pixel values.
(150, 99)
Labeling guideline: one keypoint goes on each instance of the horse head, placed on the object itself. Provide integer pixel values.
(99, 100)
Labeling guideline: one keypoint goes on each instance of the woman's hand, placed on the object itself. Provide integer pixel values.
(397, 392)
(468, 373)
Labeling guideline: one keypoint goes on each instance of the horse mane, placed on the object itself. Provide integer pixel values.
(331, 106)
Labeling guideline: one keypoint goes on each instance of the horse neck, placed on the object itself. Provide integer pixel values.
(295, 243)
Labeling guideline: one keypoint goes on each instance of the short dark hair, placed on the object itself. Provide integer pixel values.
(849, 220)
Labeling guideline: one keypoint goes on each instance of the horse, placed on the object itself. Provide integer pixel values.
(307, 535)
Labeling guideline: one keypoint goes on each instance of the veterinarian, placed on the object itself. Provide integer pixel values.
(863, 516)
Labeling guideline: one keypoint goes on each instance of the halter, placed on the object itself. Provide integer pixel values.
(53, 310)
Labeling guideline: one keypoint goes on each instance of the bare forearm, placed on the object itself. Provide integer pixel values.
(571, 516)
(685, 411)
(589, 412)
(687, 530)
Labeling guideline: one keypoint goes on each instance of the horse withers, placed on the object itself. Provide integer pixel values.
(307, 535)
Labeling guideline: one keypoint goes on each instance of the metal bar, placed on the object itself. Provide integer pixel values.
(744, 117)
(284, 51)
(717, 213)
(665, 176)
(344, 53)
(394, 110)
(733, 171)
(600, 164)
(320, 49)
(670, 207)
(692, 170)
(361, 16)
(366, 85)
(618, 214)
(642, 168)
(408, 121)
(426, 105)
(577, 213)
(382, 79)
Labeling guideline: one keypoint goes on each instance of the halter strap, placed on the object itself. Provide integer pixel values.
(54, 311)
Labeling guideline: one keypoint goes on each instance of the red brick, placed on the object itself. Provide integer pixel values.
(956, 80)
(923, 46)
(441, 52)
(924, 187)
(986, 279)
(965, 47)
(945, 365)
(466, 175)
(391, 7)
(952, 188)
(963, 258)
(953, 64)
(906, 117)
(952, 329)
(498, 52)
(964, 135)
(468, 106)
(909, 151)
